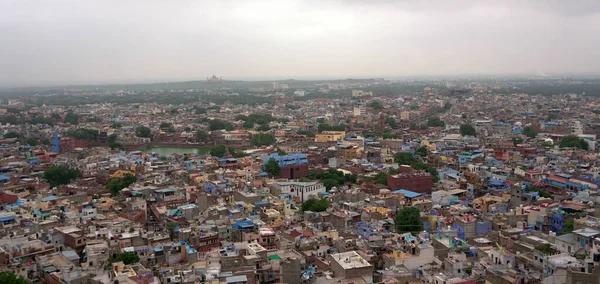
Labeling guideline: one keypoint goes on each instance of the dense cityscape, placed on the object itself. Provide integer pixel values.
(445, 180)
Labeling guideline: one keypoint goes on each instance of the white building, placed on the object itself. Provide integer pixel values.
(302, 190)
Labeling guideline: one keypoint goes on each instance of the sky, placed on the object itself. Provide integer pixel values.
(106, 41)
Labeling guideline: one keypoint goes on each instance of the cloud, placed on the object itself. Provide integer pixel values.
(68, 41)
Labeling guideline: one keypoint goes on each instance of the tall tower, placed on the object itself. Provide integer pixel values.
(55, 143)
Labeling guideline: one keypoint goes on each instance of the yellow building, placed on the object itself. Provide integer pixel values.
(330, 136)
(121, 174)
(405, 115)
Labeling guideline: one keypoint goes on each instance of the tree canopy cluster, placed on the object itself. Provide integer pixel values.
(201, 135)
(143, 131)
(71, 118)
(332, 177)
(218, 124)
(572, 141)
(541, 192)
(112, 142)
(315, 205)
(376, 105)
(408, 220)
(435, 121)
(10, 277)
(263, 139)
(327, 127)
(256, 118)
(405, 158)
(115, 185)
(529, 132)
(127, 258)
(59, 175)
(391, 122)
(467, 130)
(219, 151)
(272, 167)
(306, 132)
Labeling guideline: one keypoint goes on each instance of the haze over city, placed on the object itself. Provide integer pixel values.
(83, 42)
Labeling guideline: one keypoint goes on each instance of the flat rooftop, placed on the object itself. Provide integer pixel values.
(350, 260)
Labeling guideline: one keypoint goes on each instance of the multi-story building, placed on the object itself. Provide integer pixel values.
(414, 180)
(291, 166)
(300, 190)
(361, 93)
(330, 136)
(349, 265)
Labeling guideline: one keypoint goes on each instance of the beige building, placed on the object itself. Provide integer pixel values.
(330, 136)
(349, 265)
(405, 115)
(361, 93)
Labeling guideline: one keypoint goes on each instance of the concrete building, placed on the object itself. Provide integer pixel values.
(349, 265)
(291, 166)
(361, 93)
(330, 136)
(300, 190)
(408, 178)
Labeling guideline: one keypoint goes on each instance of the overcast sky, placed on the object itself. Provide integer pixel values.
(104, 41)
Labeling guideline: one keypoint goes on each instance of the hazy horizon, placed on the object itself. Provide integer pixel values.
(72, 42)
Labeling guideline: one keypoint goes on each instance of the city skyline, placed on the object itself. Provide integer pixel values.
(106, 42)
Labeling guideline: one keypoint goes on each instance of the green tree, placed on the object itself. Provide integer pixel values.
(306, 132)
(165, 125)
(217, 124)
(272, 167)
(422, 151)
(529, 132)
(467, 130)
(201, 135)
(71, 118)
(405, 158)
(10, 277)
(414, 107)
(517, 140)
(568, 226)
(143, 131)
(171, 227)
(115, 185)
(391, 122)
(58, 175)
(435, 121)
(409, 220)
(330, 183)
(572, 141)
(83, 134)
(127, 258)
(540, 191)
(12, 134)
(116, 125)
(376, 105)
(381, 178)
(326, 127)
(263, 139)
(31, 142)
(447, 106)
(315, 205)
(281, 152)
(218, 151)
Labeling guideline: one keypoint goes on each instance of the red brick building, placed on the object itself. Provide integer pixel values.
(294, 171)
(411, 179)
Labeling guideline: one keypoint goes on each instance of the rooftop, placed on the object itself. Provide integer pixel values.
(350, 260)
